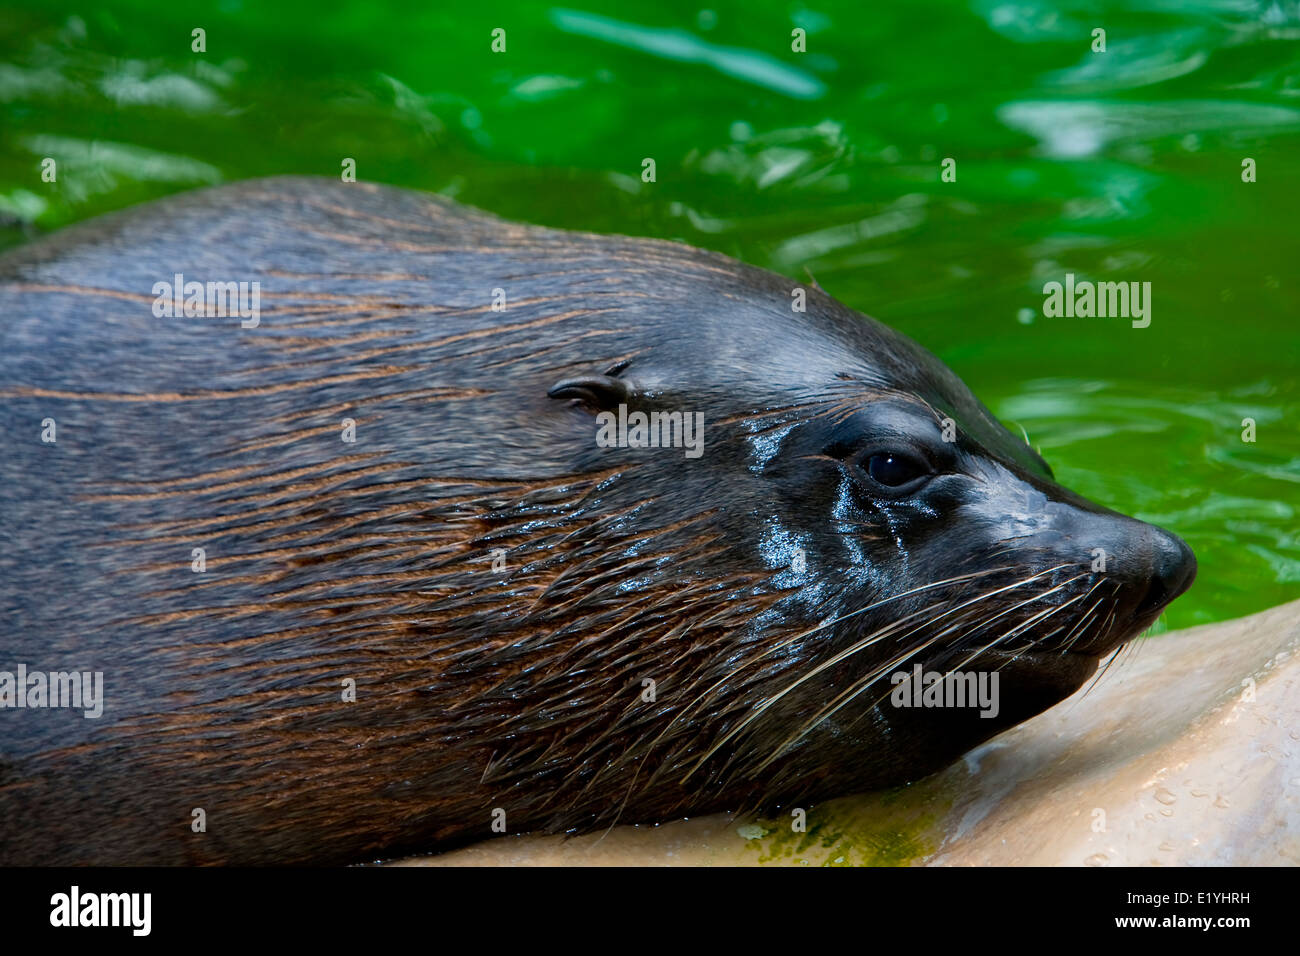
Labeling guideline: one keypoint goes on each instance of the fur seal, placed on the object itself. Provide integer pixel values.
(387, 559)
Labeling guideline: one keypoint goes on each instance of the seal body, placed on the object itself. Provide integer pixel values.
(391, 563)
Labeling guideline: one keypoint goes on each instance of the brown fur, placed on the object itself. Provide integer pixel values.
(520, 690)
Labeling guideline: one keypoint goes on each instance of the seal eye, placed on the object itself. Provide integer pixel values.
(894, 469)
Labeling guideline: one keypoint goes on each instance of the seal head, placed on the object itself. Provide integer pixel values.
(480, 517)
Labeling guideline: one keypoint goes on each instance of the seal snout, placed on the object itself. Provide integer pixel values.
(1132, 570)
(1173, 569)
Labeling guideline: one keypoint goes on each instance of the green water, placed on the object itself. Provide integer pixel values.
(1122, 166)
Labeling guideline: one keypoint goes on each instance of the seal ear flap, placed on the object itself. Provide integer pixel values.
(598, 392)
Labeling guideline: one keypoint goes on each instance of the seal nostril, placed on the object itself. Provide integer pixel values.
(1173, 570)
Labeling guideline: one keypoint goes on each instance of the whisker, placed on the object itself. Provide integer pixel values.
(830, 623)
(1102, 672)
(1069, 643)
(863, 683)
(771, 649)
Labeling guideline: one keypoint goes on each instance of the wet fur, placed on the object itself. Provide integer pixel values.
(477, 689)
